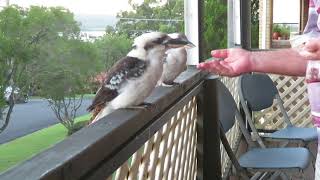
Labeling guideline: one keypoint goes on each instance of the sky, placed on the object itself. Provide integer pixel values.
(107, 7)
(284, 10)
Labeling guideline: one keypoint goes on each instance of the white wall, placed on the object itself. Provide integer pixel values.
(286, 11)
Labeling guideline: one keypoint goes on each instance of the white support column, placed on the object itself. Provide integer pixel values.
(234, 31)
(264, 15)
(237, 27)
(231, 25)
(191, 21)
(265, 24)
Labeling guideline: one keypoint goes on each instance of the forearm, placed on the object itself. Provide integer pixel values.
(284, 62)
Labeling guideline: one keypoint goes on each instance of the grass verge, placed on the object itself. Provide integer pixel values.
(23, 148)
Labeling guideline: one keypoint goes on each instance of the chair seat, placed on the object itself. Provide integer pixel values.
(275, 158)
(294, 133)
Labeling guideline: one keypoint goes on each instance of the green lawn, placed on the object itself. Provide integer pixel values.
(23, 148)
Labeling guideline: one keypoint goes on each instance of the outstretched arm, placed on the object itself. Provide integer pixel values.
(285, 61)
(238, 61)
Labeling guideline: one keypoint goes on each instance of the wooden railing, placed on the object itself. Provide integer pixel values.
(176, 139)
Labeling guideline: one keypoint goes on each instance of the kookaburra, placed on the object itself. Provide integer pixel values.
(175, 61)
(132, 79)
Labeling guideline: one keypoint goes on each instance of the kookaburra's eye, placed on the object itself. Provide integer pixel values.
(157, 41)
(160, 40)
(149, 46)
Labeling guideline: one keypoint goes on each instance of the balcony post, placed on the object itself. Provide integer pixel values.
(208, 147)
(245, 23)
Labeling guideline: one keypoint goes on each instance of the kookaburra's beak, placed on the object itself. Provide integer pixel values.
(178, 42)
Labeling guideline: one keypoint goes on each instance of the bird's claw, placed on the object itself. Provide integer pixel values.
(171, 84)
(144, 106)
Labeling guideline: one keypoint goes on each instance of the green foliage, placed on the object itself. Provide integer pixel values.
(14, 47)
(276, 28)
(22, 34)
(285, 31)
(65, 68)
(214, 26)
(40, 47)
(255, 23)
(77, 126)
(112, 47)
(152, 9)
(64, 75)
(254, 35)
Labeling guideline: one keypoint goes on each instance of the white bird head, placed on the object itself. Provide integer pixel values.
(181, 40)
(155, 44)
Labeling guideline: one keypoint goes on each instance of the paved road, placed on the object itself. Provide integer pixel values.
(32, 116)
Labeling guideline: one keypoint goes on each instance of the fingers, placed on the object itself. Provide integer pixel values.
(216, 67)
(311, 49)
(207, 65)
(308, 55)
(221, 53)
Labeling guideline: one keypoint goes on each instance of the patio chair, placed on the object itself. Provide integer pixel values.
(257, 160)
(257, 92)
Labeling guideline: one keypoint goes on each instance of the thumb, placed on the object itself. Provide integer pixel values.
(311, 46)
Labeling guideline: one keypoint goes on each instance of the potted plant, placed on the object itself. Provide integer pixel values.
(276, 31)
(285, 32)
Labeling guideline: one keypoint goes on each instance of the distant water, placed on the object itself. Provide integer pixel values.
(94, 33)
(95, 21)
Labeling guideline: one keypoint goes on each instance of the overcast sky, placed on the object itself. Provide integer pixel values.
(109, 7)
(284, 10)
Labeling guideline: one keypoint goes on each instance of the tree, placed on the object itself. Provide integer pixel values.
(214, 26)
(63, 63)
(112, 47)
(23, 32)
(65, 77)
(14, 47)
(255, 23)
(152, 15)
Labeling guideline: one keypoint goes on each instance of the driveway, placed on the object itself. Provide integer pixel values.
(32, 116)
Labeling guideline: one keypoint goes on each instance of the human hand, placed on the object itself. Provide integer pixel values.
(311, 50)
(235, 62)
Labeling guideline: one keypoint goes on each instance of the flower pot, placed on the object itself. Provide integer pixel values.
(275, 35)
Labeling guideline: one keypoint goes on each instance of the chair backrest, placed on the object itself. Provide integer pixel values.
(257, 92)
(228, 113)
(227, 107)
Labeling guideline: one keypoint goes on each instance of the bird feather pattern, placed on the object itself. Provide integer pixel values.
(125, 69)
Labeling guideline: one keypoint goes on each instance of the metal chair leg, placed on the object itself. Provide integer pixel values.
(284, 176)
(275, 175)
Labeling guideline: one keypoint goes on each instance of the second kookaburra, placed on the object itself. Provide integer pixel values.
(132, 79)
(176, 60)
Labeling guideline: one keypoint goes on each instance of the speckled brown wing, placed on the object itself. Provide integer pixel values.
(125, 69)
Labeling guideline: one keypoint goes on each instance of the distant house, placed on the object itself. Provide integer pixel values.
(91, 35)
